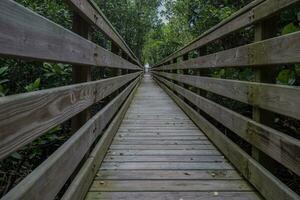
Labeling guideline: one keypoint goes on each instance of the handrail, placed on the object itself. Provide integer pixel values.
(25, 34)
(90, 11)
(251, 14)
(189, 82)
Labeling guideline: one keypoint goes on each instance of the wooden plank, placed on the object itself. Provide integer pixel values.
(279, 50)
(163, 152)
(172, 195)
(277, 145)
(167, 174)
(163, 166)
(25, 34)
(161, 147)
(165, 138)
(81, 183)
(159, 158)
(267, 184)
(162, 142)
(162, 185)
(276, 98)
(91, 13)
(24, 117)
(252, 13)
(43, 183)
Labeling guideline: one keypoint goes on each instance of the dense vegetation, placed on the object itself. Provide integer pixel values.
(141, 24)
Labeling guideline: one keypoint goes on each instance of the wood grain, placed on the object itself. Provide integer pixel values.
(25, 34)
(267, 184)
(24, 117)
(90, 11)
(250, 14)
(279, 146)
(276, 98)
(43, 183)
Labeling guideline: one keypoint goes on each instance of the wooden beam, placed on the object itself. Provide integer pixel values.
(48, 179)
(267, 184)
(275, 51)
(277, 145)
(24, 117)
(81, 74)
(276, 98)
(89, 10)
(267, 74)
(27, 35)
(252, 13)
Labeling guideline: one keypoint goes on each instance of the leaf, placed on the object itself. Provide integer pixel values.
(290, 28)
(3, 71)
(3, 81)
(17, 156)
(286, 77)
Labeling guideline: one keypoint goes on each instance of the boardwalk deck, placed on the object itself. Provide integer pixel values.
(158, 153)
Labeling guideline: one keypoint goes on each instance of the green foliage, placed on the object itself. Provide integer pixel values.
(286, 77)
(33, 86)
(290, 28)
(3, 74)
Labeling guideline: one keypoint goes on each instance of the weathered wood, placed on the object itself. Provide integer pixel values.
(172, 195)
(140, 163)
(277, 98)
(43, 183)
(252, 13)
(25, 34)
(163, 152)
(277, 145)
(160, 147)
(157, 158)
(267, 184)
(167, 174)
(89, 10)
(163, 166)
(80, 185)
(280, 50)
(178, 185)
(264, 30)
(25, 117)
(81, 74)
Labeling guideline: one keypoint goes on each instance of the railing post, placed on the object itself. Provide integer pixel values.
(80, 73)
(265, 74)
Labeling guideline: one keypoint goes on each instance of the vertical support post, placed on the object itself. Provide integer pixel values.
(266, 74)
(81, 74)
(116, 50)
(124, 55)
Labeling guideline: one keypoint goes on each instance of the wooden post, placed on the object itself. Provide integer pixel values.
(266, 74)
(116, 50)
(81, 73)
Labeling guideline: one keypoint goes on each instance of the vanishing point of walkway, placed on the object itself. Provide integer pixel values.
(158, 153)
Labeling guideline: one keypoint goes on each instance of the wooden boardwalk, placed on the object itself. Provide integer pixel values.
(158, 153)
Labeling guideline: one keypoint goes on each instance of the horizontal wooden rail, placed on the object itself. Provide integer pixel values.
(277, 98)
(91, 13)
(267, 184)
(25, 34)
(48, 179)
(251, 14)
(25, 117)
(277, 145)
(81, 183)
(280, 50)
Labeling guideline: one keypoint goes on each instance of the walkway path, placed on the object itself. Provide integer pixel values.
(158, 153)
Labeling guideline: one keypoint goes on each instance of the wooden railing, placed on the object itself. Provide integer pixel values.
(188, 82)
(25, 117)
